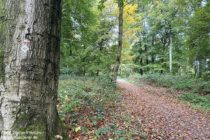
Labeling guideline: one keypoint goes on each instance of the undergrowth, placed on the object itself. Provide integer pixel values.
(91, 109)
(181, 83)
(197, 101)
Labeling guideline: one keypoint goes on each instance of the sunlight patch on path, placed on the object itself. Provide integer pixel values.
(121, 80)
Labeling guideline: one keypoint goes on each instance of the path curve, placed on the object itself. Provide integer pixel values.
(164, 117)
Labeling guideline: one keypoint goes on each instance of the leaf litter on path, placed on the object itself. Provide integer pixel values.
(164, 117)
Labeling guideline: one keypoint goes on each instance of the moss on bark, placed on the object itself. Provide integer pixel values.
(28, 127)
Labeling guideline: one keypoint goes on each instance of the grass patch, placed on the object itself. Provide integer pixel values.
(91, 109)
(181, 83)
(197, 101)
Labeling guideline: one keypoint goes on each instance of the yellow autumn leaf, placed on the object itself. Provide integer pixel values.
(77, 129)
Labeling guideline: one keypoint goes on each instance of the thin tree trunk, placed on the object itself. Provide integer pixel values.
(170, 55)
(120, 41)
(28, 101)
(141, 69)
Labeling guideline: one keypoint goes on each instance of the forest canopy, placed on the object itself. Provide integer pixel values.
(159, 36)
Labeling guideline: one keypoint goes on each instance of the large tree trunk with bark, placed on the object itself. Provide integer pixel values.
(28, 99)
(120, 42)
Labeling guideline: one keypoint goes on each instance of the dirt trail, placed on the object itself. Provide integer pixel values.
(164, 117)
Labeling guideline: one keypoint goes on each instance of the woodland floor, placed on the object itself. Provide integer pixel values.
(164, 117)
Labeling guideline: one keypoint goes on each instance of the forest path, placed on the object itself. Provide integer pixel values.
(162, 116)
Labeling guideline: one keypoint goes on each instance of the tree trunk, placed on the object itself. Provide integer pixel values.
(28, 101)
(120, 42)
(170, 54)
(141, 69)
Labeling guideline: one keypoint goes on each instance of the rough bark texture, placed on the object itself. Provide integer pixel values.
(28, 99)
(120, 42)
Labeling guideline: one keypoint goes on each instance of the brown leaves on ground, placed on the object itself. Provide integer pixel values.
(112, 124)
(164, 117)
(92, 110)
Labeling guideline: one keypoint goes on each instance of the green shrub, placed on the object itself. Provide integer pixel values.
(127, 69)
(181, 82)
(85, 91)
(197, 100)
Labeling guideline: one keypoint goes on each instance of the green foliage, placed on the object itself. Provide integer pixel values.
(81, 92)
(181, 82)
(128, 131)
(186, 23)
(199, 37)
(102, 131)
(85, 48)
(128, 69)
(177, 82)
(201, 102)
(89, 107)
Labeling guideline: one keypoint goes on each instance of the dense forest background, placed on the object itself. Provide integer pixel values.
(159, 37)
(164, 42)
